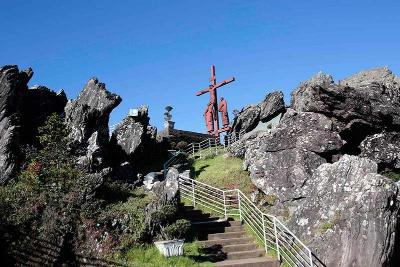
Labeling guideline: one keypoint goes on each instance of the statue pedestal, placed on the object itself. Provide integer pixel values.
(168, 125)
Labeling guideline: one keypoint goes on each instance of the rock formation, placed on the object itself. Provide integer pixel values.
(272, 105)
(134, 141)
(87, 117)
(345, 211)
(383, 148)
(13, 87)
(38, 103)
(360, 105)
(351, 214)
(282, 161)
(249, 117)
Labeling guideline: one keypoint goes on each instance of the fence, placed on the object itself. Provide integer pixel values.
(212, 145)
(233, 203)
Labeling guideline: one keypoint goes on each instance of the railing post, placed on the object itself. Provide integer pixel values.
(193, 195)
(200, 149)
(276, 239)
(193, 149)
(264, 233)
(223, 194)
(240, 208)
(209, 145)
(310, 254)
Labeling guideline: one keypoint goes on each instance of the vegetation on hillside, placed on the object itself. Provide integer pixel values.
(222, 172)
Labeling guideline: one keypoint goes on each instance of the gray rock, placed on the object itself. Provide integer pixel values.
(238, 148)
(247, 119)
(39, 103)
(165, 193)
(281, 162)
(151, 179)
(350, 215)
(383, 148)
(13, 87)
(87, 117)
(129, 136)
(272, 105)
(370, 97)
(134, 141)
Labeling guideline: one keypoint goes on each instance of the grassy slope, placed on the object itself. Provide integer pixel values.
(150, 257)
(224, 173)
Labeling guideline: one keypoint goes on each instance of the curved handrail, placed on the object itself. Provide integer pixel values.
(274, 234)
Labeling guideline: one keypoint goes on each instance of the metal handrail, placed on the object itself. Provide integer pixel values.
(210, 144)
(269, 229)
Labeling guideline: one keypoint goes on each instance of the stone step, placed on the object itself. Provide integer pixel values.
(239, 247)
(203, 219)
(226, 235)
(223, 242)
(223, 229)
(252, 262)
(245, 254)
(218, 223)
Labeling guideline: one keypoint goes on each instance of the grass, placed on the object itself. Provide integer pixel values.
(222, 172)
(330, 224)
(394, 175)
(149, 256)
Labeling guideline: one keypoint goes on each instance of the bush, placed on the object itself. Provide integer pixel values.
(176, 230)
(182, 145)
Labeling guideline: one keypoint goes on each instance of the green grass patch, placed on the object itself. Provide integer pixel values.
(149, 256)
(394, 175)
(222, 172)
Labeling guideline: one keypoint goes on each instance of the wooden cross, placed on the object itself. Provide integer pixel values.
(212, 89)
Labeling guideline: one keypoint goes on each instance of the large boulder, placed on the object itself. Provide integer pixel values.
(13, 87)
(280, 162)
(38, 103)
(362, 104)
(350, 215)
(87, 117)
(272, 105)
(246, 120)
(134, 141)
(384, 148)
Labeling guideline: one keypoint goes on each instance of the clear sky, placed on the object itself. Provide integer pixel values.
(159, 52)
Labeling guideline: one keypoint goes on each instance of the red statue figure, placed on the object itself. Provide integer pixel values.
(211, 114)
(223, 109)
(209, 117)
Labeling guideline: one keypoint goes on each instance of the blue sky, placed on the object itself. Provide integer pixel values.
(159, 52)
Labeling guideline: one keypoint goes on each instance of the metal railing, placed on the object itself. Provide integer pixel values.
(233, 137)
(203, 148)
(233, 203)
(212, 145)
(175, 158)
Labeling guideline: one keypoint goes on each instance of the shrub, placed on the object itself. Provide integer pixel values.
(182, 145)
(176, 230)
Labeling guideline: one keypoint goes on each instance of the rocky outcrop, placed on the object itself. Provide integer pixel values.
(39, 103)
(281, 162)
(134, 141)
(383, 148)
(362, 104)
(350, 215)
(13, 87)
(249, 117)
(166, 193)
(344, 211)
(87, 117)
(246, 120)
(272, 105)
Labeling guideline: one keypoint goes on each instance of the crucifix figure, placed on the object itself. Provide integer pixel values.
(211, 112)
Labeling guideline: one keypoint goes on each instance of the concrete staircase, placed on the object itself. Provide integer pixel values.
(226, 241)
